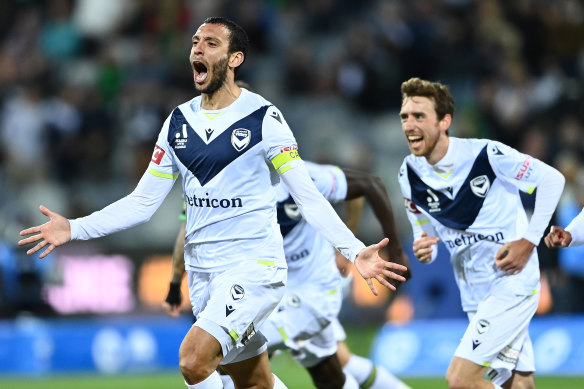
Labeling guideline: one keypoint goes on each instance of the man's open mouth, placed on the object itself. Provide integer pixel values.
(200, 71)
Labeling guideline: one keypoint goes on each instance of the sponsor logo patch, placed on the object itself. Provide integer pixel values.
(410, 206)
(157, 154)
(248, 334)
(228, 310)
(433, 201)
(240, 138)
(468, 239)
(509, 354)
(525, 169)
(181, 138)
(289, 148)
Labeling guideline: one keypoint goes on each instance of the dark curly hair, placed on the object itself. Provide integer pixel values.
(439, 93)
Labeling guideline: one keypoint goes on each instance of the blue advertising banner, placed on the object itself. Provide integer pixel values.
(31, 346)
(425, 348)
(109, 346)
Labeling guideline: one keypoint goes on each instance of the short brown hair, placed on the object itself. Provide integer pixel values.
(443, 101)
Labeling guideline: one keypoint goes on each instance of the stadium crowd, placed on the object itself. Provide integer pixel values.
(85, 86)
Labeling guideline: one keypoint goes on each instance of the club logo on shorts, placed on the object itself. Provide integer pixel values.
(240, 138)
(294, 301)
(483, 326)
(237, 292)
(480, 185)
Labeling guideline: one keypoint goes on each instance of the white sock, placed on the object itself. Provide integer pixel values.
(496, 386)
(278, 384)
(227, 381)
(386, 379)
(350, 382)
(371, 376)
(211, 382)
(358, 367)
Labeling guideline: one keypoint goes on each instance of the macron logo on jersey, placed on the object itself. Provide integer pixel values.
(276, 116)
(157, 155)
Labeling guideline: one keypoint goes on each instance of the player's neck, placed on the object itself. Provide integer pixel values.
(439, 151)
(221, 98)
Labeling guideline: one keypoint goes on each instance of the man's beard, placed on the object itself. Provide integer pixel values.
(219, 71)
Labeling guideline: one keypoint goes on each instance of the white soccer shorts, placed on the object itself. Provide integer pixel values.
(233, 304)
(302, 321)
(497, 335)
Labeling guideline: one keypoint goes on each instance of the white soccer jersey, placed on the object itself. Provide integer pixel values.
(470, 200)
(230, 212)
(230, 161)
(310, 257)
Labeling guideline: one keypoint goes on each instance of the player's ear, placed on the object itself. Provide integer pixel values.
(445, 122)
(236, 59)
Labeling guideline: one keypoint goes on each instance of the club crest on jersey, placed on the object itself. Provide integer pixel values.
(237, 292)
(292, 211)
(480, 185)
(240, 138)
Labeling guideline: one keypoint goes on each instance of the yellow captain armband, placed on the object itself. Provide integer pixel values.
(162, 175)
(283, 158)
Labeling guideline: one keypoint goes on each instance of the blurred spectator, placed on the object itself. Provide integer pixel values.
(84, 83)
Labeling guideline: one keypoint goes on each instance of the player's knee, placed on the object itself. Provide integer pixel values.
(456, 381)
(327, 374)
(193, 368)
